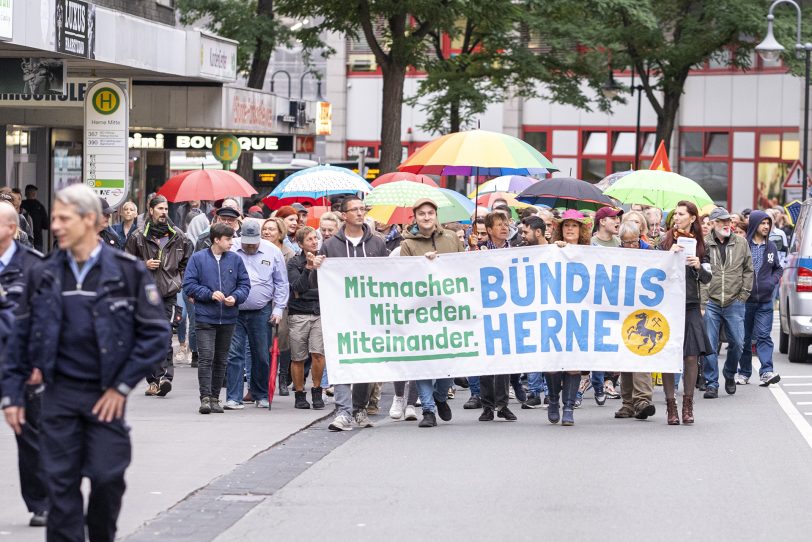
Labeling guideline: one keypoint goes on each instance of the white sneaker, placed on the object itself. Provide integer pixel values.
(511, 393)
(411, 413)
(740, 379)
(233, 405)
(362, 420)
(396, 412)
(340, 423)
(769, 378)
(180, 355)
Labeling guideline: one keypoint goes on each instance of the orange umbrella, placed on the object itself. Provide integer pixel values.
(314, 214)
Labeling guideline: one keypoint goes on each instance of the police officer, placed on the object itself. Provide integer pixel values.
(97, 328)
(16, 262)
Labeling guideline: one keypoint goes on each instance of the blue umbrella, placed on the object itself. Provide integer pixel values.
(321, 181)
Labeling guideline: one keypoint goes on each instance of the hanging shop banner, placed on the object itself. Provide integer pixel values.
(106, 151)
(76, 28)
(502, 312)
(32, 76)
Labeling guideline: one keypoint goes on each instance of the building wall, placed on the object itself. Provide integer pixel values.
(736, 134)
(161, 11)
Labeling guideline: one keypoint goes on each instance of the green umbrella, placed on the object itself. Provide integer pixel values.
(392, 203)
(662, 189)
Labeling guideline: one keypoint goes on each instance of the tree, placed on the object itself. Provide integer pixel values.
(249, 22)
(662, 40)
(492, 56)
(396, 31)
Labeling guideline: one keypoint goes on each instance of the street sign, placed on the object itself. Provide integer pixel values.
(106, 153)
(793, 179)
(226, 149)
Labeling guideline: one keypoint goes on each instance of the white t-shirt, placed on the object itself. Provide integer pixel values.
(355, 241)
(217, 256)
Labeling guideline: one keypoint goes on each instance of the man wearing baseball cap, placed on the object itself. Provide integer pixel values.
(266, 301)
(427, 238)
(724, 299)
(607, 222)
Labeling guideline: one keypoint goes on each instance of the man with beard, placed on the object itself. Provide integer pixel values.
(165, 250)
(724, 299)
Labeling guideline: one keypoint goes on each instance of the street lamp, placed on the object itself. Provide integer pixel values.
(283, 72)
(770, 50)
(318, 85)
(611, 88)
(637, 144)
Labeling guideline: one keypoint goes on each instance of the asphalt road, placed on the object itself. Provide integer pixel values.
(741, 472)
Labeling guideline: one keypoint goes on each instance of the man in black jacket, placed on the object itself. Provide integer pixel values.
(97, 329)
(16, 264)
(165, 250)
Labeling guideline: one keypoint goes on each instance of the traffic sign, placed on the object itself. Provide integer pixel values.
(794, 179)
(226, 149)
(106, 153)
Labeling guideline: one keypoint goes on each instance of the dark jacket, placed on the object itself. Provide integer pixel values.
(131, 327)
(14, 279)
(769, 274)
(393, 240)
(111, 238)
(174, 256)
(205, 275)
(337, 246)
(694, 278)
(304, 296)
(122, 235)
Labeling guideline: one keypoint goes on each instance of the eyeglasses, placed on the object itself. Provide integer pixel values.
(356, 210)
(634, 243)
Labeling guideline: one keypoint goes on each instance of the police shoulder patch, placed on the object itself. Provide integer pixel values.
(153, 296)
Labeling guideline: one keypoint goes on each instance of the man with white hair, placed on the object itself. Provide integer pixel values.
(98, 328)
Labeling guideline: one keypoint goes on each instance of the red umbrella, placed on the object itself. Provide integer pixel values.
(274, 366)
(205, 184)
(403, 176)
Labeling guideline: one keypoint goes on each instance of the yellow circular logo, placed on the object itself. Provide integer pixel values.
(645, 332)
(226, 148)
(106, 101)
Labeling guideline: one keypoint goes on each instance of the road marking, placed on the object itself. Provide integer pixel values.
(797, 385)
(794, 415)
(795, 376)
(799, 392)
(804, 403)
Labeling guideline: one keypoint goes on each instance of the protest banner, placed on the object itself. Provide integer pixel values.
(502, 311)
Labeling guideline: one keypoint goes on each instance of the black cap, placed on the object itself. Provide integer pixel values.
(228, 211)
(106, 210)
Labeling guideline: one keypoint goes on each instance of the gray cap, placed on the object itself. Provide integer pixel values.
(250, 234)
(720, 213)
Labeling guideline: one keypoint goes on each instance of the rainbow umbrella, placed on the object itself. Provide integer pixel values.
(488, 200)
(506, 183)
(403, 176)
(391, 203)
(475, 153)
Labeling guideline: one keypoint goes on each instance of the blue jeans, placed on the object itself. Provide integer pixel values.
(429, 394)
(251, 328)
(597, 378)
(182, 327)
(536, 383)
(190, 315)
(732, 317)
(758, 323)
(473, 385)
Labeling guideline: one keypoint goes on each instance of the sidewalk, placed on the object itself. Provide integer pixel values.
(175, 452)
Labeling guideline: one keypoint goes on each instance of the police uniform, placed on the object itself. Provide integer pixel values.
(14, 278)
(94, 327)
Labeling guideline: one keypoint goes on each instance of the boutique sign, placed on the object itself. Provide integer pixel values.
(201, 141)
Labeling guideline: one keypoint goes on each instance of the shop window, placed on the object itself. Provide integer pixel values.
(537, 140)
(790, 146)
(593, 170)
(712, 176)
(718, 144)
(691, 145)
(769, 146)
(595, 143)
(771, 176)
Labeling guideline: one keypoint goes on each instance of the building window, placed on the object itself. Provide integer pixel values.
(593, 170)
(537, 140)
(705, 158)
(776, 153)
(595, 143)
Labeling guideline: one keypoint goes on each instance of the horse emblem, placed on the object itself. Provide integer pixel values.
(645, 332)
